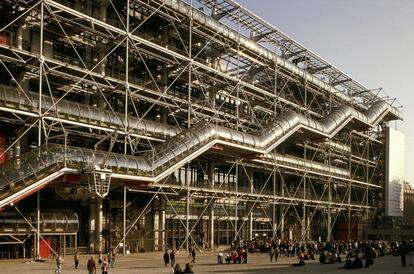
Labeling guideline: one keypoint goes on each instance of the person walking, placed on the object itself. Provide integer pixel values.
(166, 258)
(100, 257)
(220, 258)
(113, 257)
(189, 252)
(411, 252)
(172, 257)
(76, 258)
(276, 254)
(193, 255)
(91, 266)
(403, 250)
(105, 266)
(59, 261)
(271, 253)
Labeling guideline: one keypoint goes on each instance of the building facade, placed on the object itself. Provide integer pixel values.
(153, 124)
(395, 228)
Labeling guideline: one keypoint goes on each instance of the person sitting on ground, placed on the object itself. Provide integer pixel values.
(331, 259)
(239, 256)
(368, 260)
(234, 257)
(322, 258)
(245, 256)
(188, 268)
(177, 269)
(311, 255)
(357, 263)
(348, 263)
(301, 261)
(373, 255)
(338, 258)
(228, 258)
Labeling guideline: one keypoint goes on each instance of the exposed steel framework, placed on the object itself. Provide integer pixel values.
(183, 123)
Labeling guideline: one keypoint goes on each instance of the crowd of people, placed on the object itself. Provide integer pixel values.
(355, 253)
(329, 253)
(238, 256)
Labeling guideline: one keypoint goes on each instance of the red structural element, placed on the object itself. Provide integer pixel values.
(26, 195)
(73, 177)
(137, 184)
(69, 178)
(250, 156)
(357, 232)
(3, 39)
(45, 249)
(2, 148)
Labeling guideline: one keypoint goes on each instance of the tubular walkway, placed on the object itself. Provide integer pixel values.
(33, 170)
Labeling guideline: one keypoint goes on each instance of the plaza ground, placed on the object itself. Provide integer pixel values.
(152, 263)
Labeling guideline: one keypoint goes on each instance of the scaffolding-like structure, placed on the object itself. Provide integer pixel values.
(172, 123)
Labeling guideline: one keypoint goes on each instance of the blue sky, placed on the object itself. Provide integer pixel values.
(370, 40)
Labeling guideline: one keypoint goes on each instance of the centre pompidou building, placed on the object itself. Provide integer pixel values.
(153, 124)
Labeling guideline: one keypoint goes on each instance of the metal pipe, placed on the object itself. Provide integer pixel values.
(300, 162)
(329, 218)
(124, 224)
(98, 223)
(19, 38)
(39, 141)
